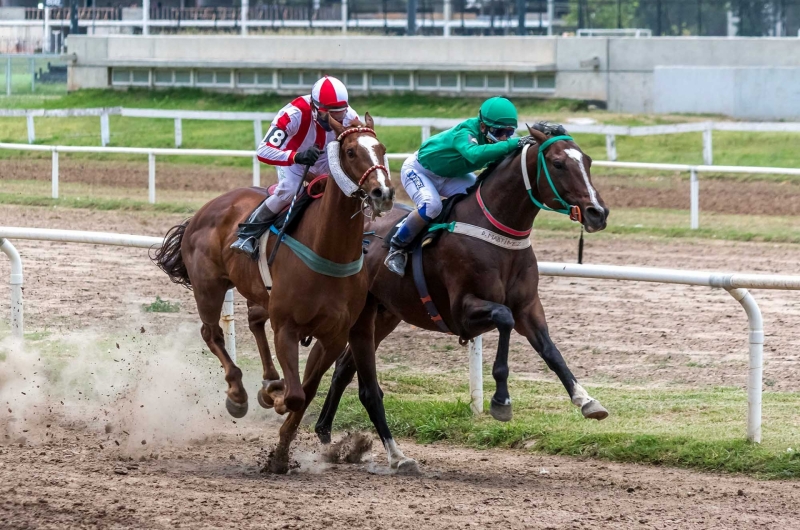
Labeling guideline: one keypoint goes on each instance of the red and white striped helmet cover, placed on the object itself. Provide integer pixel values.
(329, 94)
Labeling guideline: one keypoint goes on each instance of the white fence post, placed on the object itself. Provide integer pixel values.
(245, 10)
(694, 199)
(46, 38)
(756, 363)
(54, 173)
(447, 14)
(145, 17)
(228, 325)
(611, 147)
(344, 16)
(476, 375)
(708, 149)
(178, 132)
(16, 287)
(151, 181)
(257, 132)
(256, 172)
(8, 76)
(31, 130)
(426, 132)
(105, 133)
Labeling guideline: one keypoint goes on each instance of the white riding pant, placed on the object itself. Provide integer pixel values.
(289, 178)
(427, 188)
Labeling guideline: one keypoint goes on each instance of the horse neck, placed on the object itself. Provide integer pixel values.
(337, 233)
(505, 196)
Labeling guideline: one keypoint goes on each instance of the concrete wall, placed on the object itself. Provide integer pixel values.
(742, 92)
(619, 71)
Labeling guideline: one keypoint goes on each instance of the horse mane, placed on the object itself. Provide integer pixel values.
(491, 168)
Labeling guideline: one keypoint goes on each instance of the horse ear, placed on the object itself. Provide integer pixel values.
(539, 136)
(337, 127)
(369, 121)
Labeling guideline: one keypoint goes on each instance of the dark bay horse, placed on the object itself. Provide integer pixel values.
(302, 303)
(476, 286)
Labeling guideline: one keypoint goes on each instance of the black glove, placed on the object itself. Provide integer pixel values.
(308, 157)
(526, 140)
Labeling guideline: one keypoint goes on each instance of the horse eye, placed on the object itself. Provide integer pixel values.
(558, 164)
(351, 153)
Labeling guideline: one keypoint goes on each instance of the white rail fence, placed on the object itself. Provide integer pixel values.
(694, 194)
(735, 284)
(91, 238)
(425, 125)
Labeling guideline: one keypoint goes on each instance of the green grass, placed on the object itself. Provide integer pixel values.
(161, 306)
(730, 148)
(102, 204)
(698, 429)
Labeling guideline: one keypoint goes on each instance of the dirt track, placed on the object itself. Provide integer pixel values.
(65, 475)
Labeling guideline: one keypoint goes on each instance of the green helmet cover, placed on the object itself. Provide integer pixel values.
(498, 112)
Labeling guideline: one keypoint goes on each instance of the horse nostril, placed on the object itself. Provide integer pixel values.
(391, 194)
(594, 213)
(377, 193)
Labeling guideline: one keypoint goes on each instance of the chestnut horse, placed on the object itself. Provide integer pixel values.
(478, 286)
(303, 303)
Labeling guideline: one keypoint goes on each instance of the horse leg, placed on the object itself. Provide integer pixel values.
(209, 298)
(287, 349)
(479, 316)
(257, 317)
(319, 360)
(532, 323)
(362, 346)
(385, 323)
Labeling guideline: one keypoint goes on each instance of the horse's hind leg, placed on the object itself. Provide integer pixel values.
(532, 323)
(385, 323)
(209, 297)
(257, 317)
(479, 316)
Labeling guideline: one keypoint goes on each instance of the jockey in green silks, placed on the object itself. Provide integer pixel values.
(444, 166)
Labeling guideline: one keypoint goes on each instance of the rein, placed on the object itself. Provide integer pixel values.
(573, 211)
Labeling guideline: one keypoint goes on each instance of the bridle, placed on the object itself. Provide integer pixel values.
(573, 211)
(376, 167)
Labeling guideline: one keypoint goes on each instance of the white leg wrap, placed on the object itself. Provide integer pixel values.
(580, 396)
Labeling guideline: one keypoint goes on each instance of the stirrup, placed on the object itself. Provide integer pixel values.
(396, 261)
(248, 245)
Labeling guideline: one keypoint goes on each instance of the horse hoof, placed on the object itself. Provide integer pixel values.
(408, 466)
(235, 409)
(324, 437)
(265, 400)
(594, 410)
(278, 468)
(500, 412)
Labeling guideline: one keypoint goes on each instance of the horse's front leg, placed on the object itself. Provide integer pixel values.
(478, 317)
(257, 317)
(532, 324)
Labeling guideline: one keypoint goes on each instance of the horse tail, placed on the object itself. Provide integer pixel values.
(168, 257)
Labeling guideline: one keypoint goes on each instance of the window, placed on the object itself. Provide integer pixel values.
(496, 81)
(381, 81)
(265, 79)
(401, 80)
(354, 79)
(246, 78)
(290, 78)
(309, 78)
(163, 77)
(205, 77)
(522, 82)
(120, 76)
(448, 81)
(546, 81)
(183, 77)
(475, 81)
(427, 81)
(223, 77)
(141, 77)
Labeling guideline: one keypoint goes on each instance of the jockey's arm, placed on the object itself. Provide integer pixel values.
(482, 155)
(272, 149)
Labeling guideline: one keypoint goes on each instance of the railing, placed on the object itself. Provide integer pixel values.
(693, 170)
(735, 284)
(426, 125)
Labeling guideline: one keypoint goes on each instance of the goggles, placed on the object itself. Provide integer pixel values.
(496, 134)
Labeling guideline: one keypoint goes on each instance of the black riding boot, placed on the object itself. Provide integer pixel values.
(405, 235)
(251, 230)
